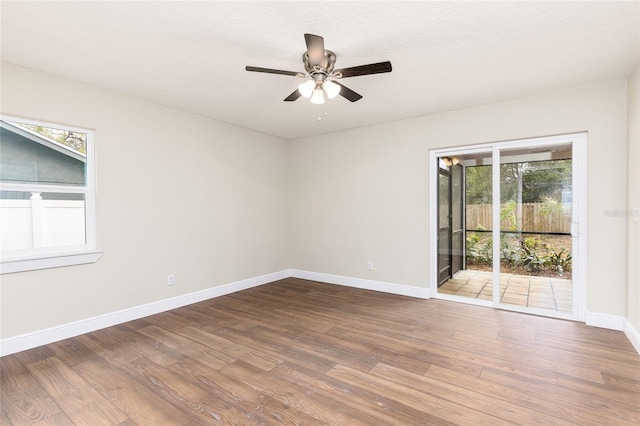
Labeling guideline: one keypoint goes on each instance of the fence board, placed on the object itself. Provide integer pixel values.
(479, 216)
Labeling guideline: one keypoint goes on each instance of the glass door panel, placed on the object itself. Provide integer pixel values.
(478, 216)
(535, 228)
(464, 220)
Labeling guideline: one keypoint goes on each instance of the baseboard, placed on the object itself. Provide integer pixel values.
(65, 331)
(401, 289)
(633, 335)
(612, 322)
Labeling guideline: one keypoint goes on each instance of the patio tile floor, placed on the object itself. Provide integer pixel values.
(531, 291)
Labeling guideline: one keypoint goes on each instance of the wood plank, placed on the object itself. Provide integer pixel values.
(173, 388)
(35, 355)
(402, 356)
(227, 317)
(607, 358)
(75, 396)
(72, 351)
(519, 397)
(236, 350)
(465, 397)
(188, 347)
(603, 392)
(139, 403)
(23, 401)
(237, 393)
(117, 352)
(59, 419)
(283, 351)
(407, 348)
(312, 404)
(502, 355)
(362, 358)
(621, 382)
(4, 418)
(145, 346)
(404, 394)
(367, 400)
(578, 402)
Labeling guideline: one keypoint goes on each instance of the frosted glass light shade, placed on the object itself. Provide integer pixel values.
(332, 89)
(317, 97)
(306, 88)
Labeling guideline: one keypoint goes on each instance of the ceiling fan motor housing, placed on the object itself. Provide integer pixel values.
(326, 68)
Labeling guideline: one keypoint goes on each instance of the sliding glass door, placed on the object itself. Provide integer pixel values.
(506, 220)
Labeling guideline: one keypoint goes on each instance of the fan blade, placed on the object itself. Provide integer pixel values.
(292, 97)
(347, 93)
(271, 71)
(377, 68)
(315, 49)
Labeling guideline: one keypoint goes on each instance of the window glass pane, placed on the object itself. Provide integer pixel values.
(36, 220)
(42, 155)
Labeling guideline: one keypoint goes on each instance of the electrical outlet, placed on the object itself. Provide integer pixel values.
(370, 265)
(171, 279)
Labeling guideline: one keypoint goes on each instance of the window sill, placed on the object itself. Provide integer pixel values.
(55, 261)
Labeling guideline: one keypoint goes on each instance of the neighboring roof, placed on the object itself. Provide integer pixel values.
(43, 140)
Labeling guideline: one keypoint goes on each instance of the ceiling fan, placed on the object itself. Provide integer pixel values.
(321, 77)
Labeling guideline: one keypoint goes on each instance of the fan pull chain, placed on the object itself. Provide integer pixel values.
(325, 112)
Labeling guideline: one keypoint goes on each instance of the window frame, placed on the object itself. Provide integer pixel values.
(12, 261)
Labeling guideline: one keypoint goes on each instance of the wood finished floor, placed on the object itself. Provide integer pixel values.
(301, 352)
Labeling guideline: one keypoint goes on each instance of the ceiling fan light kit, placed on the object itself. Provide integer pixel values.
(317, 97)
(306, 89)
(331, 88)
(320, 74)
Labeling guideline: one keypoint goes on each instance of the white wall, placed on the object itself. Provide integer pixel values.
(214, 203)
(633, 160)
(362, 194)
(177, 193)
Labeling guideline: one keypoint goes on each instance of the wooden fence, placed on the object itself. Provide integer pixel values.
(534, 219)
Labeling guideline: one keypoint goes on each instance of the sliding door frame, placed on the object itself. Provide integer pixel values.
(579, 236)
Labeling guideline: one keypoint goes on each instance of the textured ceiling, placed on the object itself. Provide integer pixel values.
(445, 55)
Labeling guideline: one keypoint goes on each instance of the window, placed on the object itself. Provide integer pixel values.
(47, 202)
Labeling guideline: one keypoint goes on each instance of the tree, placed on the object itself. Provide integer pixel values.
(526, 182)
(479, 185)
(73, 140)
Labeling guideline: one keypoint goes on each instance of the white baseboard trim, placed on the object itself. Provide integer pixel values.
(612, 322)
(401, 289)
(633, 335)
(65, 331)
